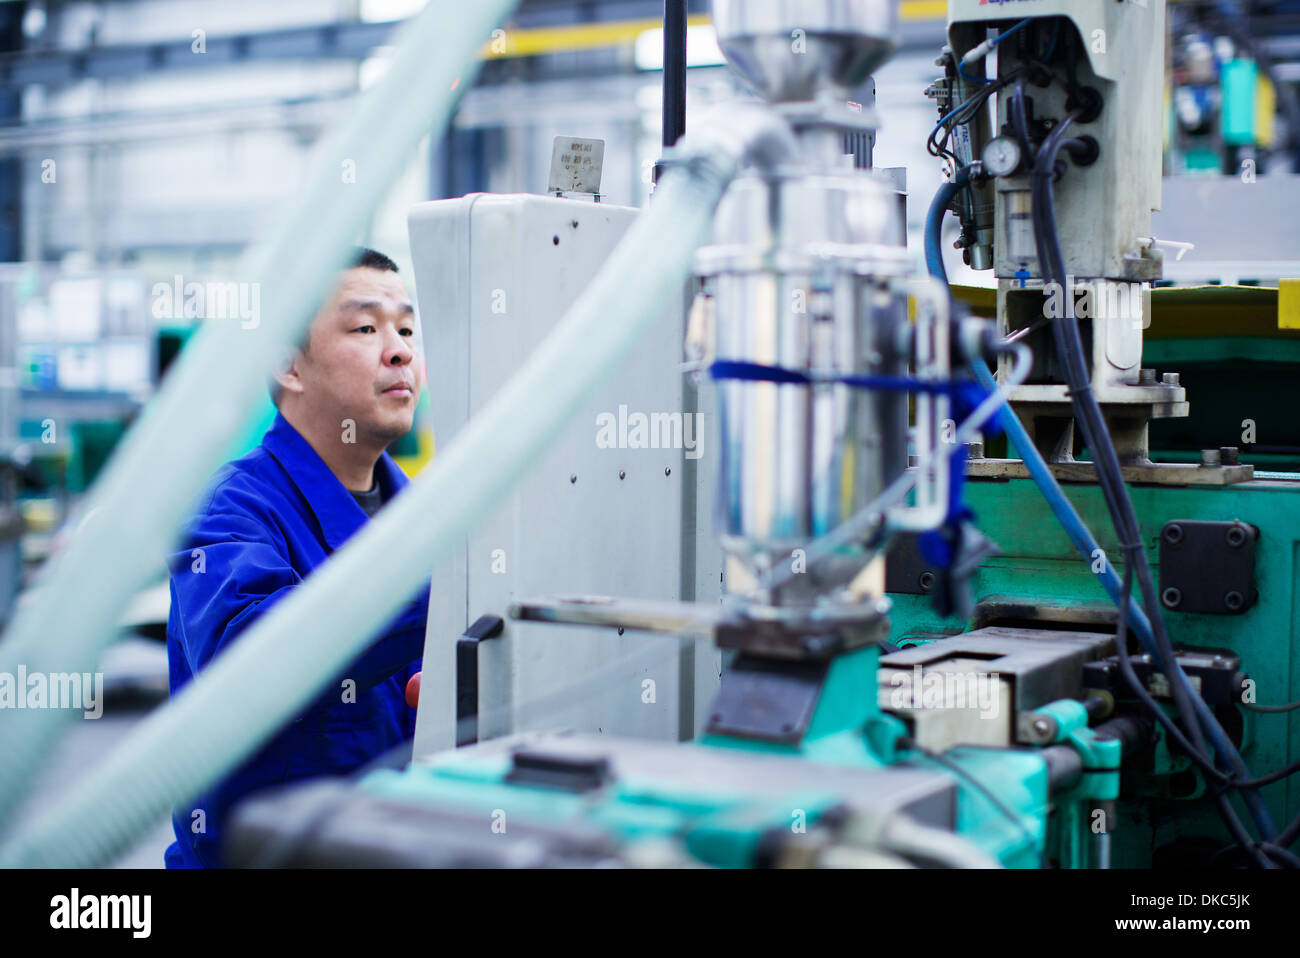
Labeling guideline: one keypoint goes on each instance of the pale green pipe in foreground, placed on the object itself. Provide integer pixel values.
(148, 490)
(280, 665)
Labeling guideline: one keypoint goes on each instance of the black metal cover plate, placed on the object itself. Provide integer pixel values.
(1208, 567)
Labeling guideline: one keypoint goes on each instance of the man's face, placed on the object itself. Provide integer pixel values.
(361, 362)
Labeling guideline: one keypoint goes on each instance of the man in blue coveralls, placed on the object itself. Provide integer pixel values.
(270, 518)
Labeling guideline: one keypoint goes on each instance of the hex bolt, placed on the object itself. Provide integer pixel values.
(1172, 597)
(1209, 457)
(1173, 533)
(1147, 377)
(926, 581)
(1228, 455)
(1171, 379)
(1235, 535)
(1234, 601)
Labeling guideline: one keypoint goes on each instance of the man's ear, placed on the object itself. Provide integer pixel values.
(287, 374)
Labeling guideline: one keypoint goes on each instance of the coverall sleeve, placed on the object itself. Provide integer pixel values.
(233, 568)
(397, 649)
(236, 565)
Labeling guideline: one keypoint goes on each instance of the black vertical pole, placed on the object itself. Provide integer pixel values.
(674, 70)
(674, 74)
(11, 167)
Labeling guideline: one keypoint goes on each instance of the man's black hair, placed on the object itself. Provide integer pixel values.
(367, 258)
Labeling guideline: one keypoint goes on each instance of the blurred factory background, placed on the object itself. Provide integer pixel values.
(145, 144)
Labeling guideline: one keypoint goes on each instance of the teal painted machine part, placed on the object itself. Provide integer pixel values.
(1041, 573)
(724, 827)
(1019, 780)
(1081, 808)
(1101, 757)
(721, 828)
(1240, 81)
(846, 707)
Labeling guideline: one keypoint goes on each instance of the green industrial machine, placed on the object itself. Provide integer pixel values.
(1243, 641)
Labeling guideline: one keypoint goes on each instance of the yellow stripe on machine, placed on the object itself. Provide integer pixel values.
(536, 41)
(585, 36)
(1288, 304)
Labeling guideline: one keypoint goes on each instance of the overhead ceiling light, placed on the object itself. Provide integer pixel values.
(382, 11)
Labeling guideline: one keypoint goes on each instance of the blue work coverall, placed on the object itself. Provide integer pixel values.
(265, 523)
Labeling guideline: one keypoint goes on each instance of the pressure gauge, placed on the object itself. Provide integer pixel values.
(1001, 156)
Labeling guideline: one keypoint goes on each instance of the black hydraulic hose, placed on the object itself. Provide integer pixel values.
(1289, 834)
(1088, 413)
(1111, 480)
(1134, 732)
(1135, 685)
(1226, 812)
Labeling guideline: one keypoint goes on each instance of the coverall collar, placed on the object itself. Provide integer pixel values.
(338, 513)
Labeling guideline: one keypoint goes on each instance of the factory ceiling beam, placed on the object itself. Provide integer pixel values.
(333, 41)
(538, 29)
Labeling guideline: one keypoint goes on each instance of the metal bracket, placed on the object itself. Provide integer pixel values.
(766, 700)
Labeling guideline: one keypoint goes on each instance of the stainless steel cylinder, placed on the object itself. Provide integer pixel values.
(800, 273)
